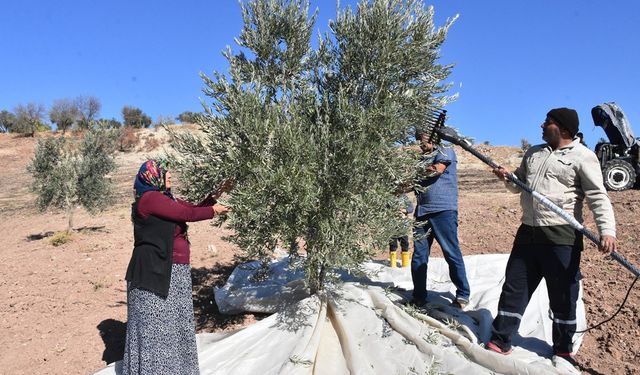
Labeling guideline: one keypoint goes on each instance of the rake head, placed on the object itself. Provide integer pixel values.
(435, 121)
(437, 131)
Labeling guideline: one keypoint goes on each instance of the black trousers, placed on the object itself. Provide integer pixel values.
(559, 265)
(404, 243)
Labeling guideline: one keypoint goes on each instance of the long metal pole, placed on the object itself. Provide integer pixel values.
(447, 135)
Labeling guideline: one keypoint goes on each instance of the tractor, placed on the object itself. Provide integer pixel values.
(618, 157)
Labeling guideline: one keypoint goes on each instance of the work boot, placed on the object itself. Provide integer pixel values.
(406, 259)
(459, 303)
(415, 302)
(565, 364)
(393, 259)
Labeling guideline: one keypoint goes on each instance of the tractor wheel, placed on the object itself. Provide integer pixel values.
(618, 175)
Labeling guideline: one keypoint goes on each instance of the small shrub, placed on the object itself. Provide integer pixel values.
(108, 123)
(61, 238)
(164, 121)
(151, 144)
(129, 139)
(100, 284)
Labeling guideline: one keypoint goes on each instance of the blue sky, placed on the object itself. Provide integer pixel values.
(514, 60)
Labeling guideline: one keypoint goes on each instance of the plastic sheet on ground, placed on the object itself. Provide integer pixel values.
(359, 326)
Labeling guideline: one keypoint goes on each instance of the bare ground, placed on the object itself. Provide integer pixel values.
(64, 308)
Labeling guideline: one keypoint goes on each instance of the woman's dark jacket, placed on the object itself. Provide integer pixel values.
(150, 264)
(155, 233)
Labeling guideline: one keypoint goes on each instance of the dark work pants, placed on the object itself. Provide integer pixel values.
(559, 265)
(404, 243)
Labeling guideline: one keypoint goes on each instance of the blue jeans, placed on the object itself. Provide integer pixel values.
(444, 228)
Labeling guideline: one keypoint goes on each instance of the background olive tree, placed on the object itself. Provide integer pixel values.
(29, 119)
(311, 136)
(135, 118)
(68, 173)
(7, 121)
(64, 113)
(88, 109)
(188, 117)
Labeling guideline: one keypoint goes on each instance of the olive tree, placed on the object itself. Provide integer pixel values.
(68, 174)
(64, 113)
(188, 117)
(135, 118)
(7, 121)
(88, 108)
(29, 118)
(311, 135)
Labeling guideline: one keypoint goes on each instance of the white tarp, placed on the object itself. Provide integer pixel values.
(358, 327)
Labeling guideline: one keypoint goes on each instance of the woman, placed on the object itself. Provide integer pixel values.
(160, 329)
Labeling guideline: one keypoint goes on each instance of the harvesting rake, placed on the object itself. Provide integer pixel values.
(437, 131)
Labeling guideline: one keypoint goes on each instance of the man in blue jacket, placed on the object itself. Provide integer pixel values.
(437, 217)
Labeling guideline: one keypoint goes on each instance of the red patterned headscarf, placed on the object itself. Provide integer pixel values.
(152, 176)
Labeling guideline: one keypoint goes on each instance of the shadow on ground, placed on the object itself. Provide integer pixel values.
(85, 229)
(208, 316)
(39, 236)
(589, 370)
(112, 333)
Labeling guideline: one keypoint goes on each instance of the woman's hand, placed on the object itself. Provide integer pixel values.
(219, 209)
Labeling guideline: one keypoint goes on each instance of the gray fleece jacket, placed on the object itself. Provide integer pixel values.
(566, 176)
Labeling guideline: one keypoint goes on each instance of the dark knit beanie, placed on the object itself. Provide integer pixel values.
(565, 118)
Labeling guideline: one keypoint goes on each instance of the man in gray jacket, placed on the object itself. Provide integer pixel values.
(567, 173)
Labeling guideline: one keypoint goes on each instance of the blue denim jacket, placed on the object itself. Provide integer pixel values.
(440, 193)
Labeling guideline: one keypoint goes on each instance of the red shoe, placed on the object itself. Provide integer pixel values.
(493, 347)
